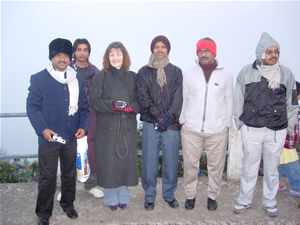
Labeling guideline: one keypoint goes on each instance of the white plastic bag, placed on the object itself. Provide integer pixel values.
(83, 166)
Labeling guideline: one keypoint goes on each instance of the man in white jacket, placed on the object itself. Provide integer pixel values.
(205, 120)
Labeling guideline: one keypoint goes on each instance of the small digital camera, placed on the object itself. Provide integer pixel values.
(120, 104)
(59, 139)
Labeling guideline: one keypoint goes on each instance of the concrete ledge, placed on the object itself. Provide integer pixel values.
(17, 204)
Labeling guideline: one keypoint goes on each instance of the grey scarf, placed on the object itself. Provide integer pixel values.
(155, 63)
(271, 73)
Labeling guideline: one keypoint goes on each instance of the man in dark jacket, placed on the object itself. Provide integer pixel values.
(159, 93)
(57, 106)
(265, 109)
(81, 63)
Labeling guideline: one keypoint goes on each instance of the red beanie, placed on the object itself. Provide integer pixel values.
(208, 44)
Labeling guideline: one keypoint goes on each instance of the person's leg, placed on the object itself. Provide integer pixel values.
(281, 170)
(68, 154)
(91, 139)
(91, 182)
(111, 196)
(293, 175)
(215, 146)
(123, 195)
(48, 159)
(252, 143)
(272, 148)
(192, 147)
(150, 160)
(170, 152)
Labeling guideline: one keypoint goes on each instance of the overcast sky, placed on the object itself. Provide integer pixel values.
(27, 28)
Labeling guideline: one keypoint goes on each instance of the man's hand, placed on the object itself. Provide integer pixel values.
(80, 133)
(48, 135)
(164, 121)
(181, 125)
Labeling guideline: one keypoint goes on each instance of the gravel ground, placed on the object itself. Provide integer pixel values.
(17, 204)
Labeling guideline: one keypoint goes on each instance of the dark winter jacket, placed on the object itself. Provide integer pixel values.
(154, 101)
(256, 105)
(116, 135)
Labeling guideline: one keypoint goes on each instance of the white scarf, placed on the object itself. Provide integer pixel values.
(72, 82)
(271, 73)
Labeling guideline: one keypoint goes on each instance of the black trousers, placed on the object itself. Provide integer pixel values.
(48, 160)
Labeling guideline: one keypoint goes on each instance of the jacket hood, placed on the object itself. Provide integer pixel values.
(265, 42)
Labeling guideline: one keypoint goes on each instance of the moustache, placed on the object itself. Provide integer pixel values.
(203, 58)
(62, 62)
(273, 58)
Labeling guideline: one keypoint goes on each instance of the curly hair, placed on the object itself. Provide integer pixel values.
(126, 59)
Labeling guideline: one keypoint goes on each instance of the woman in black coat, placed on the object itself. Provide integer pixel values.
(113, 96)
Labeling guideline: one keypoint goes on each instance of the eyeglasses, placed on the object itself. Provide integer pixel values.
(270, 52)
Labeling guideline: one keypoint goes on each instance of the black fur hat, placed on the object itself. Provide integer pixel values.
(60, 45)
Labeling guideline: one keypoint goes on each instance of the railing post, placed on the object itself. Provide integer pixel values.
(235, 155)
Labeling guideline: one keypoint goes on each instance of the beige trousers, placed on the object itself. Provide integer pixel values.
(215, 145)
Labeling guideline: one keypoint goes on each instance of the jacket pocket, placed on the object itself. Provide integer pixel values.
(250, 112)
(278, 111)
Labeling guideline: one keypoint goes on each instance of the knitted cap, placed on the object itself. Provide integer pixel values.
(163, 39)
(208, 44)
(60, 45)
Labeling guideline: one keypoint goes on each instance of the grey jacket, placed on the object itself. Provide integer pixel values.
(256, 105)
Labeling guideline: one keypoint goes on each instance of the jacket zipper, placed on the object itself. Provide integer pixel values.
(205, 103)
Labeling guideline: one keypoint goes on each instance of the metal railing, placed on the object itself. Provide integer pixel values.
(7, 115)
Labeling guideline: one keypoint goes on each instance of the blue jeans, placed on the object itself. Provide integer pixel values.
(115, 196)
(292, 171)
(151, 141)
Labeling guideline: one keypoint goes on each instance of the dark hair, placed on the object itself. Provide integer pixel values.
(126, 59)
(298, 87)
(79, 41)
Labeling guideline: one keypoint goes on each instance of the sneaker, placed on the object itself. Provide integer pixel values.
(240, 208)
(97, 193)
(281, 187)
(295, 193)
(58, 197)
(271, 211)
